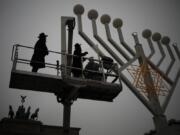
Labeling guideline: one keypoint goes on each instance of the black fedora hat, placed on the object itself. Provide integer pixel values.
(77, 45)
(41, 35)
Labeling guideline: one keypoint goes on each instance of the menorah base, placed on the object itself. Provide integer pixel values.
(173, 128)
(160, 122)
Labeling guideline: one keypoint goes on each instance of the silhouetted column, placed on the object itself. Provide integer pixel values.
(66, 115)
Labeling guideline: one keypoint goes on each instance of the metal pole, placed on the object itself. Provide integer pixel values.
(71, 24)
(15, 58)
(151, 47)
(63, 45)
(101, 62)
(166, 40)
(162, 53)
(57, 67)
(66, 115)
(81, 67)
(176, 50)
(168, 98)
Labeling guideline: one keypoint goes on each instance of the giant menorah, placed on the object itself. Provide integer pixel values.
(150, 82)
(146, 79)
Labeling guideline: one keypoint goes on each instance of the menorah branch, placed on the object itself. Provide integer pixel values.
(105, 19)
(176, 50)
(147, 35)
(157, 37)
(93, 16)
(167, 100)
(165, 40)
(122, 41)
(79, 10)
(162, 53)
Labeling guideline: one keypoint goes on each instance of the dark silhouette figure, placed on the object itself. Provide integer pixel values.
(34, 116)
(77, 62)
(40, 51)
(11, 112)
(20, 114)
(27, 114)
(23, 99)
(92, 69)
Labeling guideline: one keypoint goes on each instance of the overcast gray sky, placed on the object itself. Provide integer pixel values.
(22, 20)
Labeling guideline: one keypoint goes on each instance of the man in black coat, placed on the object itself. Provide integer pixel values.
(92, 70)
(40, 51)
(77, 60)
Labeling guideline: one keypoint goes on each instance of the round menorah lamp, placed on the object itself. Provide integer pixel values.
(165, 40)
(92, 14)
(78, 9)
(117, 23)
(156, 36)
(146, 33)
(105, 19)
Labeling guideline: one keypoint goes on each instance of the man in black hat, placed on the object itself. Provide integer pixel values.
(77, 60)
(40, 51)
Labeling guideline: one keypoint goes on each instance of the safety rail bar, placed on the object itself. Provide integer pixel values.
(59, 67)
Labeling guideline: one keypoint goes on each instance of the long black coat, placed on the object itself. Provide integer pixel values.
(40, 51)
(77, 62)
